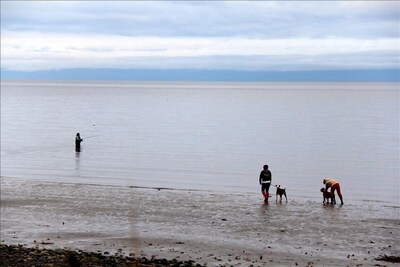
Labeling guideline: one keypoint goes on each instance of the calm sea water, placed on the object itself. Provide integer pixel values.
(208, 136)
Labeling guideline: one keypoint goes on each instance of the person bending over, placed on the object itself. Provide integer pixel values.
(335, 186)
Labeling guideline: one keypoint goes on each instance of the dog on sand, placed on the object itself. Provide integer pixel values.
(327, 196)
(280, 191)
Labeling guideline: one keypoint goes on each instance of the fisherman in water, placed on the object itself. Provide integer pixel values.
(265, 182)
(78, 141)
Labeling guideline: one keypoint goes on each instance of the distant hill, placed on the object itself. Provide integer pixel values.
(392, 75)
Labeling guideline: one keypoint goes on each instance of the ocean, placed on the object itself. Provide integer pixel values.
(206, 136)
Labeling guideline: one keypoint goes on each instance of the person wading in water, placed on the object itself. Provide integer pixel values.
(78, 141)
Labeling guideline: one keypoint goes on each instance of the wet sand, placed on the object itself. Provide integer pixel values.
(212, 228)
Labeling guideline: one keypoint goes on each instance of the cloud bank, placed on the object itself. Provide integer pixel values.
(199, 35)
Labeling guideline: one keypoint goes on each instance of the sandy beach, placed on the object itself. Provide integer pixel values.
(211, 228)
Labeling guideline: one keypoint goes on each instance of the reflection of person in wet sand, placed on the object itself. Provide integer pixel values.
(335, 186)
(78, 141)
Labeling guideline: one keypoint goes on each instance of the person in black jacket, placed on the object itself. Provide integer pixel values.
(78, 141)
(265, 182)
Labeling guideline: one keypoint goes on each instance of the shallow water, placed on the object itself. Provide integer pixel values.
(208, 136)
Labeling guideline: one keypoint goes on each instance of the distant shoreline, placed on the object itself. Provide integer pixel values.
(192, 75)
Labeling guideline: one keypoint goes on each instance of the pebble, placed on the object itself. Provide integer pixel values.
(12, 255)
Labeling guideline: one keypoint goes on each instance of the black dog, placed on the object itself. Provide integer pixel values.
(280, 191)
(327, 195)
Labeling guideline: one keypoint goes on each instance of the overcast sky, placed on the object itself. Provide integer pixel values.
(200, 35)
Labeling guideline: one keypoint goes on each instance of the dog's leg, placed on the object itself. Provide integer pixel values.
(285, 196)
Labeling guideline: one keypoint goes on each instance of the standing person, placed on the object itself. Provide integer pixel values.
(78, 141)
(265, 182)
(334, 185)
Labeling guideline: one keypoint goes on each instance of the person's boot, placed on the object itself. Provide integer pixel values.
(266, 197)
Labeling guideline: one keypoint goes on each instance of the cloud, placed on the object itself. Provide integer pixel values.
(255, 35)
(206, 19)
(42, 51)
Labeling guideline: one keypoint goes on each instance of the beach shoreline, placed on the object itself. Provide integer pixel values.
(214, 229)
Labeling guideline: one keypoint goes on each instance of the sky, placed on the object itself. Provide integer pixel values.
(244, 36)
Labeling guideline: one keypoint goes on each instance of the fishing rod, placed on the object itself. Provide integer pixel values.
(90, 136)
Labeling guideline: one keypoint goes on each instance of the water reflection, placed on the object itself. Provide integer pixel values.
(77, 160)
